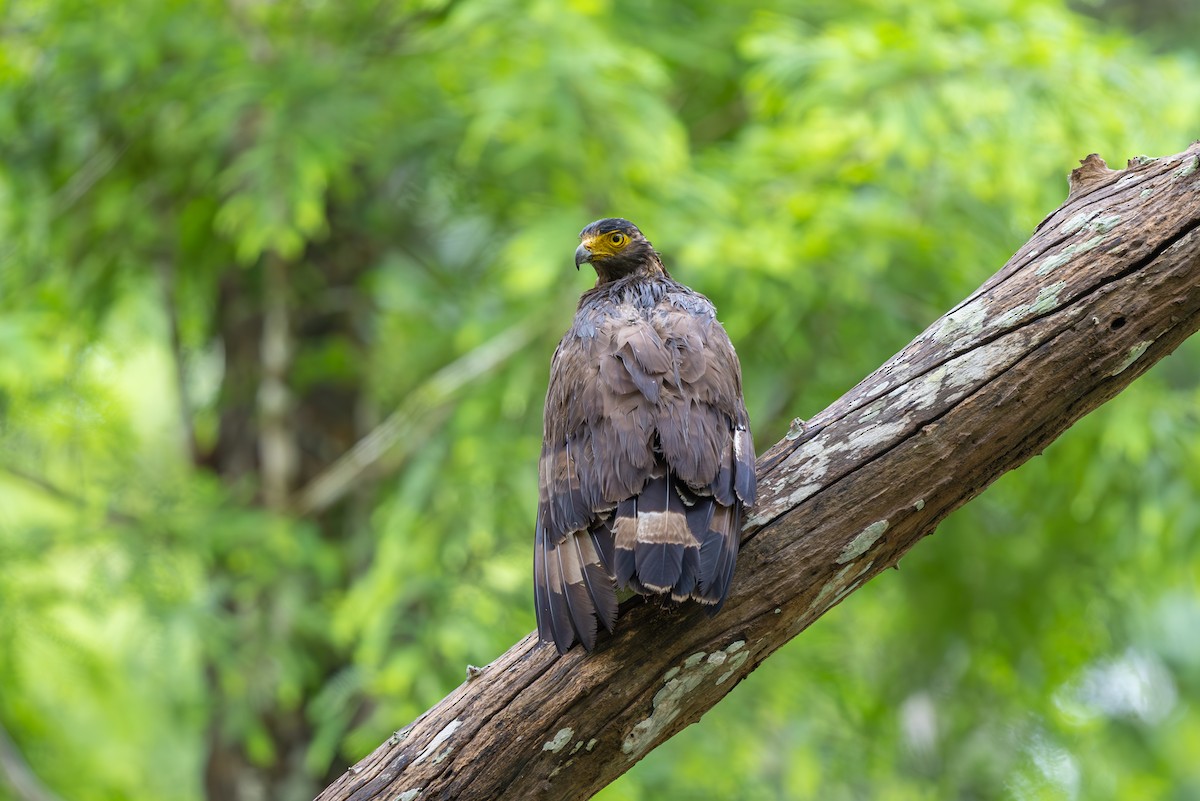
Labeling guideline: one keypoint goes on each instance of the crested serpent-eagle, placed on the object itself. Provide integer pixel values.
(647, 462)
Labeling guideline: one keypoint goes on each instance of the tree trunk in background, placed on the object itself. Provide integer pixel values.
(1108, 285)
(265, 330)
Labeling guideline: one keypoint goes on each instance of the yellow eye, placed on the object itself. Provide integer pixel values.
(617, 238)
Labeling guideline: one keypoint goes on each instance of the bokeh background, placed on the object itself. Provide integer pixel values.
(279, 286)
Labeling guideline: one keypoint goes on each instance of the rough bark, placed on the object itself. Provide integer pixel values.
(1108, 285)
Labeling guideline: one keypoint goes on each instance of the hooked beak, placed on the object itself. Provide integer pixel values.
(582, 254)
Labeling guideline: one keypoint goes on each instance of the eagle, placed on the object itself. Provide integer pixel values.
(647, 462)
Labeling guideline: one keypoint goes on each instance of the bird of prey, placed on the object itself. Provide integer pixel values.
(647, 462)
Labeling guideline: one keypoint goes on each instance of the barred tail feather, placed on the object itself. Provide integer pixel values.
(745, 482)
(662, 535)
(625, 542)
(689, 575)
(580, 610)
(541, 589)
(573, 590)
(597, 582)
(718, 556)
(602, 537)
(557, 620)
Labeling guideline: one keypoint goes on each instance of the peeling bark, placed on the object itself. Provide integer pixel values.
(1107, 286)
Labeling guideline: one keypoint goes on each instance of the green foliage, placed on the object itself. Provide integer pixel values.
(834, 175)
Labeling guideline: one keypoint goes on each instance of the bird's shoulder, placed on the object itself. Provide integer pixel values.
(635, 298)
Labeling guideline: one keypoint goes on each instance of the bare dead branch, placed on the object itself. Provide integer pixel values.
(1108, 285)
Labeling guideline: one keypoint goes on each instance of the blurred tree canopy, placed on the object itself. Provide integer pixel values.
(238, 238)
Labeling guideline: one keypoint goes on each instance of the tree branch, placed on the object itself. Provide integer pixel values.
(20, 778)
(113, 516)
(1107, 286)
(168, 285)
(278, 452)
(406, 428)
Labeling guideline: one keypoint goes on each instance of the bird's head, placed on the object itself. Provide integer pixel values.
(616, 248)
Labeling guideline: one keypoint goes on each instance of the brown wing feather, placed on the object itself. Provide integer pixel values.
(647, 460)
